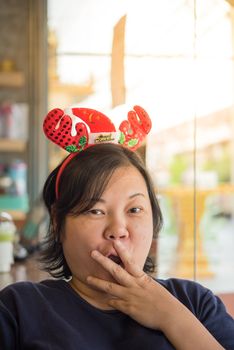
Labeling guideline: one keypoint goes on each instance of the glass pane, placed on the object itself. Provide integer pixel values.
(214, 140)
(178, 64)
(80, 43)
(191, 158)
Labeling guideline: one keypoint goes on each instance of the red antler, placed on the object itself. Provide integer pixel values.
(135, 128)
(57, 127)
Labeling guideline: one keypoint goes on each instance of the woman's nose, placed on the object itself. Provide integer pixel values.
(116, 231)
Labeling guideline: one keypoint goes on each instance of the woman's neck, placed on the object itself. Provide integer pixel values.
(94, 297)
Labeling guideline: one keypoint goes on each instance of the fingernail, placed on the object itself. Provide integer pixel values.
(119, 244)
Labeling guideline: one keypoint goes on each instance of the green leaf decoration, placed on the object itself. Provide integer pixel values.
(71, 149)
(82, 141)
(132, 142)
(121, 138)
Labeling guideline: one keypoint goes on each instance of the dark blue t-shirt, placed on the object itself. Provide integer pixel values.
(50, 316)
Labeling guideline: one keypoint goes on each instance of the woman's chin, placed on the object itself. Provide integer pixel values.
(104, 276)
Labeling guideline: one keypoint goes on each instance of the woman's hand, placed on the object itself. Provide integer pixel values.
(150, 304)
(134, 293)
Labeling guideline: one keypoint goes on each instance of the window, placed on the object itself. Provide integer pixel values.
(176, 60)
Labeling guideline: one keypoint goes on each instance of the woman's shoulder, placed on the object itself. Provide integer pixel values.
(28, 289)
(20, 297)
(206, 306)
(196, 297)
(187, 291)
(183, 287)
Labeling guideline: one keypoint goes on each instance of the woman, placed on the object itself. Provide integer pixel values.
(104, 214)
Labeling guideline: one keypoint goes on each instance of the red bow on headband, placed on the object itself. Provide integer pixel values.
(75, 129)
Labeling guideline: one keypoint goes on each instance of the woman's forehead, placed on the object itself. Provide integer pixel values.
(127, 179)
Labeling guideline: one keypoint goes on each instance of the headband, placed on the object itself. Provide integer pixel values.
(76, 129)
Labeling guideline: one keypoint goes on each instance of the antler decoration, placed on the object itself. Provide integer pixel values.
(135, 129)
(78, 128)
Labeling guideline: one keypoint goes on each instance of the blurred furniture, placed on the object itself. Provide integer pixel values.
(189, 206)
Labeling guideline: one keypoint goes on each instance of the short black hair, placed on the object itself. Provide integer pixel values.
(85, 177)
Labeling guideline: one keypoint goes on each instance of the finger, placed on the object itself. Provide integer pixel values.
(108, 287)
(127, 260)
(122, 305)
(119, 304)
(119, 274)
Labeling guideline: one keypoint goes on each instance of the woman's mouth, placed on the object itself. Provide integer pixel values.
(116, 259)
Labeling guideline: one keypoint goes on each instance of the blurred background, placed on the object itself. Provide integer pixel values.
(174, 58)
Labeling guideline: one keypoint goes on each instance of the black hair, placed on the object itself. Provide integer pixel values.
(85, 177)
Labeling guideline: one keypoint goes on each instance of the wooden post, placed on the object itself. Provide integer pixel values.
(117, 64)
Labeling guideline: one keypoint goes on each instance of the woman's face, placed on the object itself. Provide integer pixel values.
(123, 213)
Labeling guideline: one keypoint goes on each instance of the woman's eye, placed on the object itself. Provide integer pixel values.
(96, 212)
(135, 210)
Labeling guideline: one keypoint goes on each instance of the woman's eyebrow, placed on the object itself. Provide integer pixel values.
(97, 200)
(137, 194)
(101, 200)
